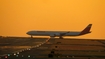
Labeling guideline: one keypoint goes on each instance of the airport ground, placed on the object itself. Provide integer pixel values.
(36, 48)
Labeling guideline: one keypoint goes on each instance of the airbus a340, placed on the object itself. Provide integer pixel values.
(60, 34)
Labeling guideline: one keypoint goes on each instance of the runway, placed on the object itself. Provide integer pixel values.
(62, 49)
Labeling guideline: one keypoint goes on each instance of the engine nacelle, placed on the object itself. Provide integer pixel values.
(52, 35)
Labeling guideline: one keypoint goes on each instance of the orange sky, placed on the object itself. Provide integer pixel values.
(19, 16)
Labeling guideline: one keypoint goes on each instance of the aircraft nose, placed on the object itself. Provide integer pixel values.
(27, 32)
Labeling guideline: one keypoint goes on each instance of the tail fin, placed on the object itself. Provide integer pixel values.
(86, 30)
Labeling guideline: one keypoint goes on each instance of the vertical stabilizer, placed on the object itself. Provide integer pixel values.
(86, 30)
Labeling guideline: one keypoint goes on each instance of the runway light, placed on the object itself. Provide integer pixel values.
(14, 53)
(29, 49)
(72, 56)
(20, 51)
(8, 54)
(39, 44)
(58, 56)
(22, 56)
(28, 55)
(34, 46)
(67, 56)
(17, 52)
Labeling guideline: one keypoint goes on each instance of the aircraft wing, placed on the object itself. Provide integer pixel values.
(61, 34)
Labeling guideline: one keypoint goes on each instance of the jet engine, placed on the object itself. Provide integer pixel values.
(52, 35)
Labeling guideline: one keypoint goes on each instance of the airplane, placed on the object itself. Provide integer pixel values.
(60, 34)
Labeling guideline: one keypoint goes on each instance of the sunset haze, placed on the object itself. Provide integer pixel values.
(20, 16)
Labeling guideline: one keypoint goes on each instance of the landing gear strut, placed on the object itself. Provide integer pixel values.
(60, 37)
(31, 36)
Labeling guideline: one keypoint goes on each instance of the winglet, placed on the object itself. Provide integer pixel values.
(86, 30)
